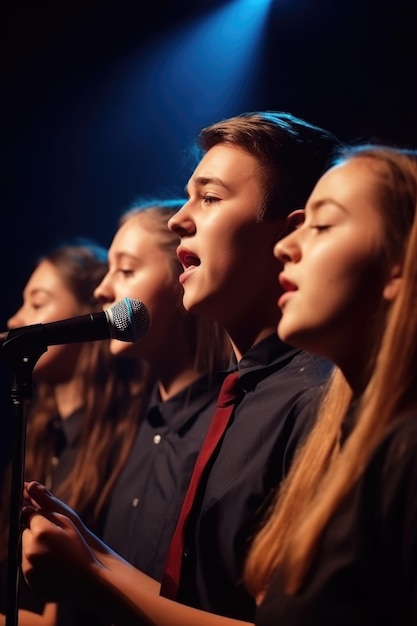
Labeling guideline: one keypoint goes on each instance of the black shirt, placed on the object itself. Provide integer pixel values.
(249, 464)
(145, 502)
(365, 569)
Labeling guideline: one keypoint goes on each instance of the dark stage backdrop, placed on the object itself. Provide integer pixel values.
(101, 99)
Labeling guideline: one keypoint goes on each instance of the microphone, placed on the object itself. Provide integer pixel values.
(127, 320)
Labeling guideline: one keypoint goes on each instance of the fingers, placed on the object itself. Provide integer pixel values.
(37, 496)
(37, 493)
(40, 497)
(26, 514)
(34, 519)
(55, 557)
(37, 541)
(27, 499)
(41, 501)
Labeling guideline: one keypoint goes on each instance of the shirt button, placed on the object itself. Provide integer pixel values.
(135, 502)
(186, 552)
(157, 439)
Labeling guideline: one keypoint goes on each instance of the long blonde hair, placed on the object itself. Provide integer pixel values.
(323, 471)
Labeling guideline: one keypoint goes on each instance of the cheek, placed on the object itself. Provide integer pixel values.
(335, 290)
(152, 287)
(126, 290)
(334, 285)
(345, 287)
(162, 298)
(118, 347)
(236, 254)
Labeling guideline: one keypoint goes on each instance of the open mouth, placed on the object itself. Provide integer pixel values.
(188, 259)
(286, 284)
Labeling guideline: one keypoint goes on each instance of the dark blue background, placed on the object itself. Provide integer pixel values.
(82, 135)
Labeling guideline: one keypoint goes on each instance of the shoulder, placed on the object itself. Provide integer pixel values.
(304, 375)
(308, 364)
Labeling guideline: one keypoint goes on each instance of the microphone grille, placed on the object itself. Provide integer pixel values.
(130, 320)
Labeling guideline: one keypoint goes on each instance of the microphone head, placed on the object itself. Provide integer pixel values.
(129, 320)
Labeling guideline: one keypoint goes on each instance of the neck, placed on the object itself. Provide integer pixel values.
(68, 397)
(172, 360)
(241, 344)
(254, 325)
(169, 386)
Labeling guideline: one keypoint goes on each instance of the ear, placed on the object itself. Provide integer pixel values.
(294, 220)
(393, 284)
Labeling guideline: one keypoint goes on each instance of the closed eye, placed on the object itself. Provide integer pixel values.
(320, 227)
(125, 272)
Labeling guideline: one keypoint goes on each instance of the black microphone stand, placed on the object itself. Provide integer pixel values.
(22, 352)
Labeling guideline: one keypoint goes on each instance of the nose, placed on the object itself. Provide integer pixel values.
(15, 321)
(287, 249)
(182, 223)
(104, 292)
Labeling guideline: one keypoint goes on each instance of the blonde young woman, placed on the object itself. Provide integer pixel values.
(340, 547)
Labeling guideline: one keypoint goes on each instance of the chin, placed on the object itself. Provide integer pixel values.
(119, 347)
(127, 349)
(284, 331)
(293, 336)
(190, 304)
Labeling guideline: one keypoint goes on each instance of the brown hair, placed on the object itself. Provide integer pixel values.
(111, 391)
(292, 153)
(323, 472)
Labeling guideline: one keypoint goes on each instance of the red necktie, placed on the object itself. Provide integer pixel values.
(229, 392)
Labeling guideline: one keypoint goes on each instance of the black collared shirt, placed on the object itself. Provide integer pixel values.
(280, 386)
(145, 503)
(365, 569)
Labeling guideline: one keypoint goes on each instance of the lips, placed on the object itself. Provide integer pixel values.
(288, 288)
(189, 261)
(187, 258)
(286, 284)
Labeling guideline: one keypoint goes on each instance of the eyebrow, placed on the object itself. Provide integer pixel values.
(38, 291)
(315, 206)
(125, 256)
(201, 181)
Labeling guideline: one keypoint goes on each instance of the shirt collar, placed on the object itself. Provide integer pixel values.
(267, 355)
(184, 406)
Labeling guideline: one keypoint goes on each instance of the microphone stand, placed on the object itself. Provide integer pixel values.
(22, 352)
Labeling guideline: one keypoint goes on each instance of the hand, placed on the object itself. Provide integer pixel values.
(38, 498)
(57, 560)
